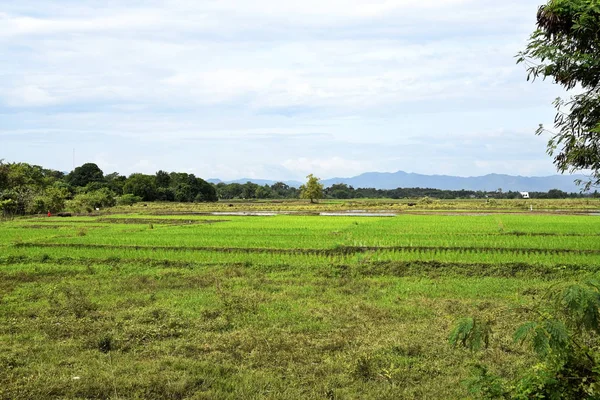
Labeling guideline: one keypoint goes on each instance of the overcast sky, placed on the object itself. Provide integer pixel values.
(272, 89)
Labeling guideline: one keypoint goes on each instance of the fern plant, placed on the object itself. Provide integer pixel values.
(565, 338)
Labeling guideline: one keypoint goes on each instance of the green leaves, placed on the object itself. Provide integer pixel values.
(571, 312)
(565, 339)
(580, 306)
(566, 48)
(312, 189)
(550, 336)
(471, 333)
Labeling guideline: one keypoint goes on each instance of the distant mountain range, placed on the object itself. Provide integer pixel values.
(400, 179)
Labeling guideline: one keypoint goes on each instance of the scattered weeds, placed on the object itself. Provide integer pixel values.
(68, 300)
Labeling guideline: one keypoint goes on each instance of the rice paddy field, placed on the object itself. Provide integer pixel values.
(204, 302)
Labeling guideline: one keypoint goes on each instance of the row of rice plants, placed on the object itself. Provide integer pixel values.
(287, 232)
(490, 224)
(302, 259)
(242, 236)
(404, 223)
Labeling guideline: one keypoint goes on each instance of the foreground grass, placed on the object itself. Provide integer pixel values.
(278, 307)
(97, 331)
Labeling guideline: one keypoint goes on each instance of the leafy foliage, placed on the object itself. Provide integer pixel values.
(85, 174)
(565, 339)
(486, 385)
(580, 307)
(89, 201)
(472, 333)
(545, 337)
(142, 186)
(566, 47)
(128, 200)
(312, 189)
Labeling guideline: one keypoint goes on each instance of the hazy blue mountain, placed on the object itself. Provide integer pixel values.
(491, 182)
(388, 180)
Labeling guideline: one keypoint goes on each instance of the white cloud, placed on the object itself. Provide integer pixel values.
(144, 166)
(268, 87)
(12, 26)
(327, 167)
(29, 96)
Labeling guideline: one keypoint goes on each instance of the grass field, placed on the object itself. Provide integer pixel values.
(159, 302)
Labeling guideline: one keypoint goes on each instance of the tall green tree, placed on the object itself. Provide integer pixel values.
(189, 188)
(263, 192)
(85, 174)
(143, 186)
(162, 179)
(3, 174)
(26, 188)
(312, 189)
(249, 190)
(566, 48)
(115, 182)
(340, 191)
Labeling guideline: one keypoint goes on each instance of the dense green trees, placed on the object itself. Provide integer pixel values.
(566, 48)
(251, 190)
(163, 179)
(263, 192)
(189, 188)
(51, 199)
(115, 182)
(26, 188)
(281, 190)
(30, 189)
(3, 175)
(143, 186)
(176, 186)
(340, 191)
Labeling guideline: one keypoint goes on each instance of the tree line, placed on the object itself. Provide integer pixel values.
(343, 191)
(32, 189)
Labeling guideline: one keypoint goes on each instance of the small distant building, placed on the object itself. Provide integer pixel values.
(524, 195)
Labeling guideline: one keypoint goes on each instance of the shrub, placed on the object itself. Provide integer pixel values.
(128, 200)
(89, 201)
(426, 200)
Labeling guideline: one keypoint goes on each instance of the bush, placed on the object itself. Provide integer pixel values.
(89, 201)
(52, 199)
(426, 200)
(128, 200)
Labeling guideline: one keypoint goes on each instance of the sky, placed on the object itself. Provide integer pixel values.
(272, 89)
